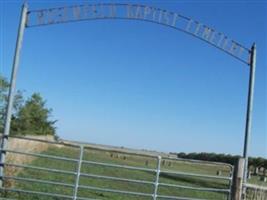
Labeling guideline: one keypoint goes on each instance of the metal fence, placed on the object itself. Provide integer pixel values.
(256, 192)
(56, 170)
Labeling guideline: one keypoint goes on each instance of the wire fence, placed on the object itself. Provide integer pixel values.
(39, 169)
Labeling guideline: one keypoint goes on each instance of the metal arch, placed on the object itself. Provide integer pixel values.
(139, 12)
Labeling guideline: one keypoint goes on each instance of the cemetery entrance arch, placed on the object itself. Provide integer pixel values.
(88, 12)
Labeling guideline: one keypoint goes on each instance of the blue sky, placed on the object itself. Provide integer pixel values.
(142, 85)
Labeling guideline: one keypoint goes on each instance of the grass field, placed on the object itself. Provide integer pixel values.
(115, 158)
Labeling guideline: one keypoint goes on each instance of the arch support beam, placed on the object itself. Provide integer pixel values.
(249, 108)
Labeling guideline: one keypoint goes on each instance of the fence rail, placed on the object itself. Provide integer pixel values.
(256, 192)
(78, 173)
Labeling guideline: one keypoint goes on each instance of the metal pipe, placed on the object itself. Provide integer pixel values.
(78, 174)
(115, 191)
(32, 180)
(12, 87)
(157, 179)
(41, 155)
(249, 109)
(195, 175)
(40, 168)
(119, 166)
(195, 188)
(116, 178)
(178, 198)
(37, 193)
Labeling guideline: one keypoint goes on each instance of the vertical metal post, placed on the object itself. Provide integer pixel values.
(157, 179)
(249, 108)
(4, 141)
(78, 173)
(231, 182)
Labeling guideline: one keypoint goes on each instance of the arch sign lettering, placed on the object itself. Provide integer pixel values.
(89, 12)
(139, 12)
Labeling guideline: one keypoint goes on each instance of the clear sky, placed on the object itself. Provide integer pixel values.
(142, 85)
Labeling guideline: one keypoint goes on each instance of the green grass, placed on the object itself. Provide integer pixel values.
(101, 156)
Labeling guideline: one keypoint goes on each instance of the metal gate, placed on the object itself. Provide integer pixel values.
(49, 170)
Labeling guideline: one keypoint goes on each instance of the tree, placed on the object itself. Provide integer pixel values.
(33, 118)
(18, 101)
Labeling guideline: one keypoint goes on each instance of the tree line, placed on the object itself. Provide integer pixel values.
(29, 116)
(225, 158)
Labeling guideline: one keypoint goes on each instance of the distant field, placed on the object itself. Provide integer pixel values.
(124, 159)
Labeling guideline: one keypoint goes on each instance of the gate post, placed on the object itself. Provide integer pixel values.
(237, 187)
(157, 178)
(78, 173)
(11, 94)
(249, 107)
